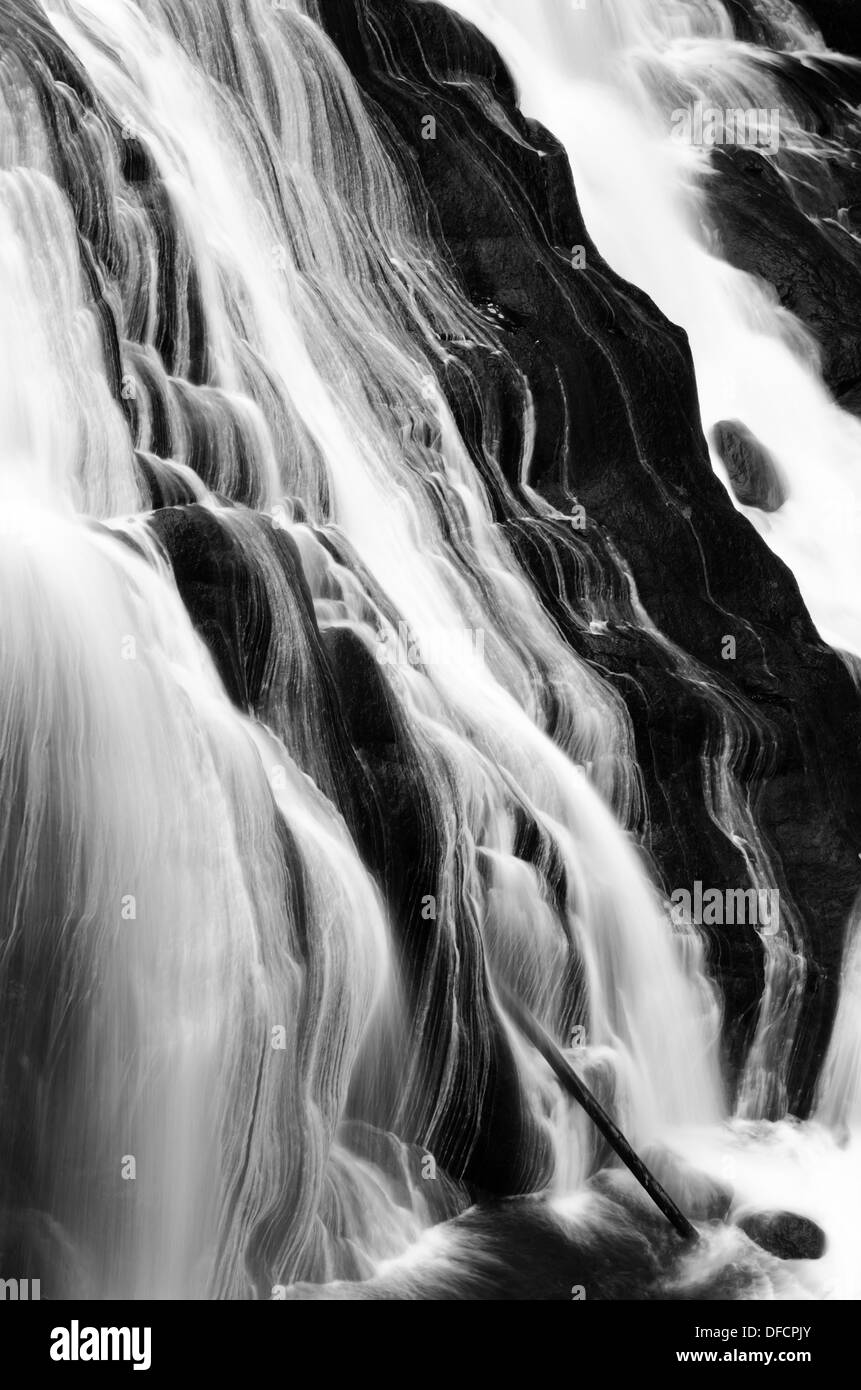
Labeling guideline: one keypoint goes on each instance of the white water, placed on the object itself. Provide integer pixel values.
(152, 785)
(605, 79)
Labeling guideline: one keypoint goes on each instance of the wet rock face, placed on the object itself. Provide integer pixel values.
(851, 400)
(793, 221)
(617, 431)
(753, 471)
(840, 22)
(800, 240)
(785, 1234)
(390, 808)
(699, 1196)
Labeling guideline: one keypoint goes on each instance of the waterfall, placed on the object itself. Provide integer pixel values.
(606, 78)
(297, 770)
(279, 397)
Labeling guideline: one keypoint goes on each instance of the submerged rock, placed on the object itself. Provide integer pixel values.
(699, 1196)
(785, 1234)
(753, 471)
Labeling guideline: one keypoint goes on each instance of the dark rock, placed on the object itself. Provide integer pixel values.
(851, 400)
(357, 746)
(770, 224)
(752, 470)
(617, 427)
(784, 1234)
(839, 21)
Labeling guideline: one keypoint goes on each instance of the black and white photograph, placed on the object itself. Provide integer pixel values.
(430, 666)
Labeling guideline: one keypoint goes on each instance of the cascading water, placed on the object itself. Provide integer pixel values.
(606, 78)
(268, 849)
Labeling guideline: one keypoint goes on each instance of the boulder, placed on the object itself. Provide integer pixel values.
(785, 1234)
(753, 472)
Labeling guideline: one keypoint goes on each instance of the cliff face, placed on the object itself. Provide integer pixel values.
(583, 394)
(839, 21)
(617, 431)
(797, 228)
(284, 903)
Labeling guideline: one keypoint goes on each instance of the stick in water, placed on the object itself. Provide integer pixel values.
(541, 1040)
